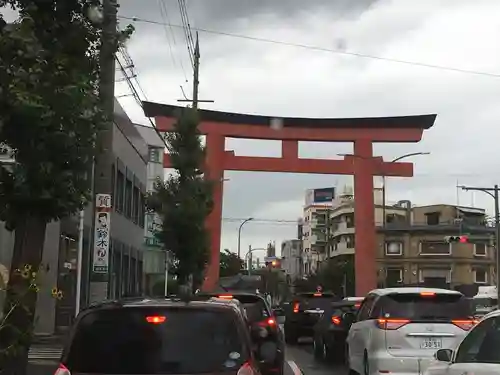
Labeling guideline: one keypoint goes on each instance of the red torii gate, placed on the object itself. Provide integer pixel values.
(363, 132)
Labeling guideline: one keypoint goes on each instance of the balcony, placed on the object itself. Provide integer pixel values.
(444, 226)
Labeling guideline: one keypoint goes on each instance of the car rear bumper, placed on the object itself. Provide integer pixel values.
(384, 363)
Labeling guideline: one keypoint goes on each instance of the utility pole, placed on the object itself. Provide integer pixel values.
(328, 232)
(98, 256)
(196, 74)
(494, 193)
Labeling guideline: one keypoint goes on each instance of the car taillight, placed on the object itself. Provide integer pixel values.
(155, 319)
(465, 324)
(296, 307)
(246, 369)
(336, 320)
(62, 370)
(391, 324)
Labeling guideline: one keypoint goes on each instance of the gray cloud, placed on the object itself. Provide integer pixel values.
(273, 79)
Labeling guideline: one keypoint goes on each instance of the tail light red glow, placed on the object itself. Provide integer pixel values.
(155, 319)
(357, 305)
(62, 370)
(427, 294)
(226, 296)
(391, 324)
(268, 323)
(246, 369)
(336, 320)
(317, 294)
(296, 307)
(465, 324)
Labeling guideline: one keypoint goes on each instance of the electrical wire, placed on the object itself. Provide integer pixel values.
(187, 31)
(321, 49)
(164, 15)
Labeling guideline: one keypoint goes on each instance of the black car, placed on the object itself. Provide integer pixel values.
(303, 312)
(261, 318)
(164, 336)
(330, 332)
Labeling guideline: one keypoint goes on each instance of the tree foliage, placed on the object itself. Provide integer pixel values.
(230, 263)
(50, 115)
(184, 200)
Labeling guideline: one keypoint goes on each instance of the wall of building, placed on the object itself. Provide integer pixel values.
(291, 253)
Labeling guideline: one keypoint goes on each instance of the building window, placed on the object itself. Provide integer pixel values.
(436, 278)
(128, 199)
(142, 212)
(155, 155)
(137, 205)
(393, 277)
(432, 218)
(120, 191)
(480, 249)
(350, 242)
(480, 276)
(434, 248)
(349, 219)
(393, 248)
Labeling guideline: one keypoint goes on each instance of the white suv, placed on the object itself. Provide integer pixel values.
(398, 330)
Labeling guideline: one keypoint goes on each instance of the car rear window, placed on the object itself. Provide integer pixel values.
(188, 341)
(255, 307)
(424, 307)
(316, 300)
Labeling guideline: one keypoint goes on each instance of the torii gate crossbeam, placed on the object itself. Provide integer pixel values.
(362, 132)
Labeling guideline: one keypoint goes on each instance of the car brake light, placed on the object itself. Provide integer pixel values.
(246, 369)
(296, 306)
(427, 294)
(391, 324)
(336, 320)
(62, 370)
(317, 294)
(466, 324)
(226, 296)
(357, 305)
(270, 322)
(155, 319)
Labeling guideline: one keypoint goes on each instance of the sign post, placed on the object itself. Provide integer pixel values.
(100, 253)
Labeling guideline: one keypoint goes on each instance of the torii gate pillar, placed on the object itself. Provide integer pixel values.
(362, 132)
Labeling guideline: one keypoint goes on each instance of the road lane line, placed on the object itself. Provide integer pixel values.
(296, 370)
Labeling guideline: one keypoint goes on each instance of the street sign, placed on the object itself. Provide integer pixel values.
(102, 234)
(103, 201)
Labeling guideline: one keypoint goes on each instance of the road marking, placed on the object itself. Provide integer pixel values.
(296, 370)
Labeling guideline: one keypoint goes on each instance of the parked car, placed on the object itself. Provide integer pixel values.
(303, 313)
(477, 354)
(167, 336)
(398, 330)
(261, 316)
(330, 332)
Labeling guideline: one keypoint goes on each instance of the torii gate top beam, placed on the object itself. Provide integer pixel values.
(375, 129)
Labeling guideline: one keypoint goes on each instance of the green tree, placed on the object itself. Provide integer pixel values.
(230, 264)
(184, 201)
(50, 115)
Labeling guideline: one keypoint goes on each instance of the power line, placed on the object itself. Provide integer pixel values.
(187, 30)
(320, 49)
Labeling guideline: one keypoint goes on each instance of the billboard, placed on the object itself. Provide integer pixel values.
(323, 195)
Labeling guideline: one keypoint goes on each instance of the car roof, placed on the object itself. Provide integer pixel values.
(410, 290)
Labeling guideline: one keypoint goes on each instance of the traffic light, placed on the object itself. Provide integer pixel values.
(275, 263)
(457, 239)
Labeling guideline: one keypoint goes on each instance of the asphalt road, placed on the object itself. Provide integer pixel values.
(297, 356)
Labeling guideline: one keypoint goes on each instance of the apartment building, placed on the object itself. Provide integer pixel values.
(154, 255)
(413, 249)
(291, 258)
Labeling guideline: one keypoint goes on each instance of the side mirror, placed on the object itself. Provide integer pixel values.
(267, 352)
(444, 355)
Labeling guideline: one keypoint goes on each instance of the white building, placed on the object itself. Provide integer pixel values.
(154, 255)
(291, 258)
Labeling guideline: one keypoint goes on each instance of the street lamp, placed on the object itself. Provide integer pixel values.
(248, 254)
(384, 181)
(239, 234)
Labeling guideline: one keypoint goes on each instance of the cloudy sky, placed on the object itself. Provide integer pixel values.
(325, 75)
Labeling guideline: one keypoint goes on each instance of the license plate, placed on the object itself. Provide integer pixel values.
(431, 343)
